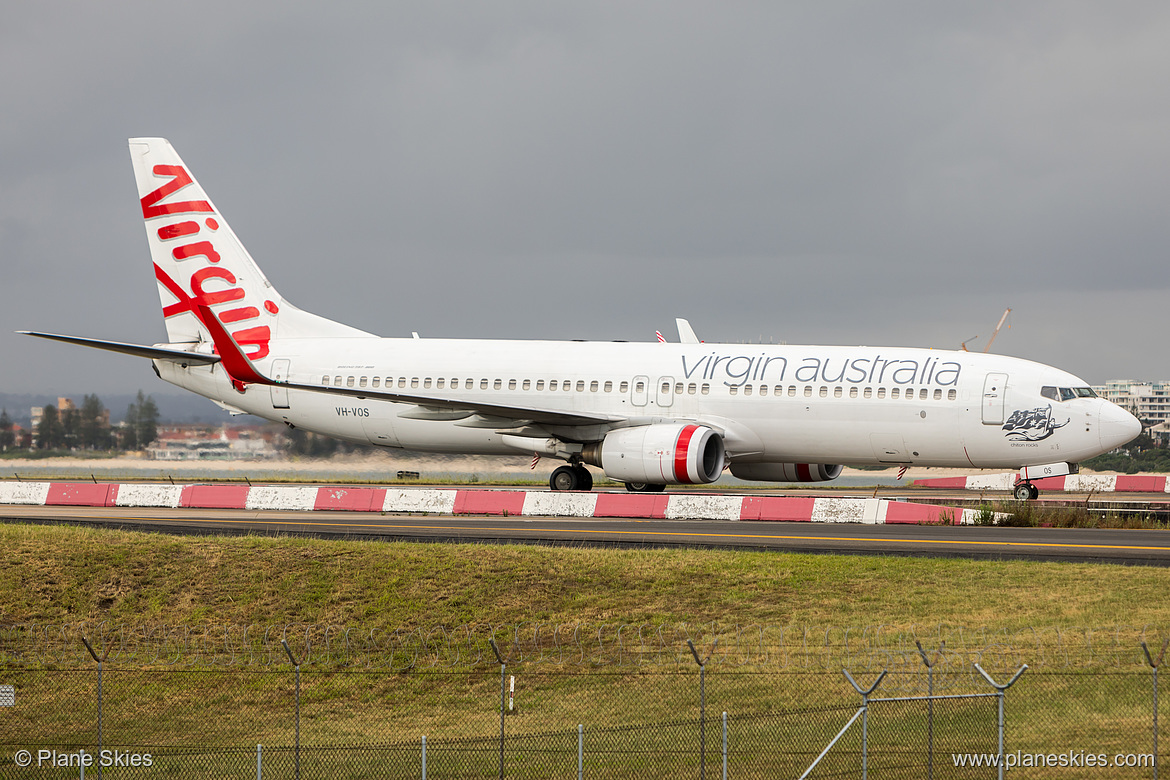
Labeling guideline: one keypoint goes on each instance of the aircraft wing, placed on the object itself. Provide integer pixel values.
(241, 372)
(139, 350)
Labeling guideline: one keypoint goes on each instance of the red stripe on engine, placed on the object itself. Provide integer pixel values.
(681, 448)
(804, 472)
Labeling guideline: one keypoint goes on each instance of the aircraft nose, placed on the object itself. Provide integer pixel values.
(1117, 426)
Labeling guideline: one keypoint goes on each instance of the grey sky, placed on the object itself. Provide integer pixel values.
(844, 173)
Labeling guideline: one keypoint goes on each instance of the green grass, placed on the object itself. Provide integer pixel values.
(65, 574)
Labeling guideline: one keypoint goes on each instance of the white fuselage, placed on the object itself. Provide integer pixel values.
(772, 404)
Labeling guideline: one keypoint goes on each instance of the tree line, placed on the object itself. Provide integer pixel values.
(85, 427)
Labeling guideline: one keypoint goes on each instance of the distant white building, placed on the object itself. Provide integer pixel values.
(1148, 401)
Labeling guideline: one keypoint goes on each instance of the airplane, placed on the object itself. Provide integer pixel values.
(646, 414)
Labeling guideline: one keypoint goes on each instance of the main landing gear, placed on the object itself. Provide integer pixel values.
(573, 477)
(644, 487)
(1026, 491)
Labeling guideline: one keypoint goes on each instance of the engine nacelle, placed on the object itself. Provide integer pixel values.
(665, 453)
(785, 472)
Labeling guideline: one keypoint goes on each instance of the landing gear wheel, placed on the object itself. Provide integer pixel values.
(584, 478)
(644, 487)
(564, 478)
(1026, 491)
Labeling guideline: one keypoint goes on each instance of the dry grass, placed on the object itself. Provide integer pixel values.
(56, 574)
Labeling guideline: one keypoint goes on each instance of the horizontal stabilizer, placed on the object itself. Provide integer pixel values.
(138, 350)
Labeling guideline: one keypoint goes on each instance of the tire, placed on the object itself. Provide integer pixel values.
(1024, 491)
(644, 487)
(1035, 492)
(584, 479)
(564, 478)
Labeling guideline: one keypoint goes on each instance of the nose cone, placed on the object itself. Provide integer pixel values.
(1117, 426)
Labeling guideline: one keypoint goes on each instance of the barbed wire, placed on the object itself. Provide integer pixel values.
(627, 646)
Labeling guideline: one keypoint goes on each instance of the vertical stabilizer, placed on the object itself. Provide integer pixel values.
(198, 261)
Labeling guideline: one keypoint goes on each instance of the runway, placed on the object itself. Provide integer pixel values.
(1129, 547)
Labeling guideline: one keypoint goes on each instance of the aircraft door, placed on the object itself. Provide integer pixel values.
(640, 390)
(280, 374)
(665, 391)
(994, 395)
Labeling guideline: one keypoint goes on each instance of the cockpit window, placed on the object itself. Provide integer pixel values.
(1066, 393)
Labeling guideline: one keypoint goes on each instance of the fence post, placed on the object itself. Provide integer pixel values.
(424, 757)
(297, 749)
(580, 751)
(259, 762)
(702, 706)
(99, 661)
(930, 703)
(724, 746)
(865, 693)
(1000, 690)
(503, 693)
(1155, 664)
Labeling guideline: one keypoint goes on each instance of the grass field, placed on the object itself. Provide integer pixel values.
(59, 574)
(644, 717)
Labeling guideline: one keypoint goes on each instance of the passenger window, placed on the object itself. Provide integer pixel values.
(640, 387)
(824, 392)
(539, 385)
(349, 381)
(733, 389)
(496, 385)
(623, 387)
(414, 381)
(952, 395)
(552, 384)
(691, 388)
(747, 389)
(808, 391)
(527, 384)
(763, 389)
(836, 392)
(511, 384)
(678, 388)
(594, 385)
(483, 384)
(337, 381)
(580, 385)
(895, 393)
(440, 383)
(427, 383)
(362, 382)
(868, 392)
(937, 394)
(325, 380)
(705, 389)
(608, 387)
(792, 391)
(567, 385)
(374, 382)
(853, 392)
(469, 384)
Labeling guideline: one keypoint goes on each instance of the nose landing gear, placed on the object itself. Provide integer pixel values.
(1026, 491)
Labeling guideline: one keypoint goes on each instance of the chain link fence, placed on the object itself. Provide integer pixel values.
(637, 709)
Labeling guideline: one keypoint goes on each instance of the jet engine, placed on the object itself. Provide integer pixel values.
(664, 453)
(785, 472)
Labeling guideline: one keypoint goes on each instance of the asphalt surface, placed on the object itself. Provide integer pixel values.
(1131, 547)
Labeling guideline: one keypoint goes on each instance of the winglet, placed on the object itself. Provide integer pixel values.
(239, 369)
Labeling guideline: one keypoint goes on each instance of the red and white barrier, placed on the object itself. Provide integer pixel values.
(501, 503)
(1073, 483)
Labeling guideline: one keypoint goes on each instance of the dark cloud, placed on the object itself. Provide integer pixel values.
(831, 172)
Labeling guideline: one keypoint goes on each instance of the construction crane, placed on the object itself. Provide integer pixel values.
(993, 335)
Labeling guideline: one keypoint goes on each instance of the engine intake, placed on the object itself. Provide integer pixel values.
(665, 453)
(785, 472)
